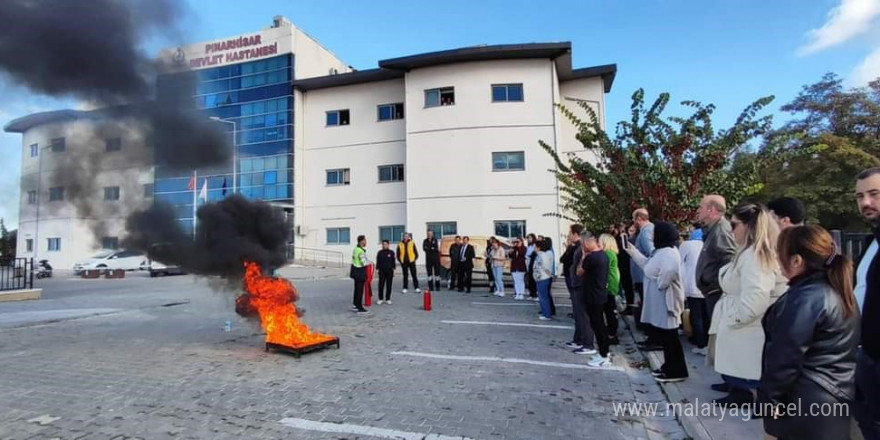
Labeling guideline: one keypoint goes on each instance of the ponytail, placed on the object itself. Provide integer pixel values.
(839, 272)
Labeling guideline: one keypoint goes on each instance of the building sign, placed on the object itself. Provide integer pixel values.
(233, 51)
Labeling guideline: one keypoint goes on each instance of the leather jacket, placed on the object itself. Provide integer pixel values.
(809, 346)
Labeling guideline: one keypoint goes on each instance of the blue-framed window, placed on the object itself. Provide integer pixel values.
(54, 244)
(442, 229)
(338, 235)
(111, 193)
(35, 150)
(110, 243)
(390, 112)
(391, 233)
(338, 117)
(509, 161)
(340, 176)
(510, 228)
(507, 93)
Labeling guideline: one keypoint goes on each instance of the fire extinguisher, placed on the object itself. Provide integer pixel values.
(368, 287)
(426, 300)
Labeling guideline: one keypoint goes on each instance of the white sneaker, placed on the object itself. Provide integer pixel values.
(388, 302)
(404, 291)
(519, 298)
(544, 318)
(380, 302)
(418, 290)
(700, 351)
(600, 362)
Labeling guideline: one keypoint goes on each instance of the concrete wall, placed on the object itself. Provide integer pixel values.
(312, 59)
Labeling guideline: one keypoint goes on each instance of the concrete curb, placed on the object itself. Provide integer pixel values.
(21, 295)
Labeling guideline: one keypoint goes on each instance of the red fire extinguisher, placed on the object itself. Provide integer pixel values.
(426, 300)
(368, 287)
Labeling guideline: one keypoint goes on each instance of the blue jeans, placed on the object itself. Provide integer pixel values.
(743, 384)
(498, 272)
(544, 297)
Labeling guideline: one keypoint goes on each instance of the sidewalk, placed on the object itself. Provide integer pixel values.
(695, 390)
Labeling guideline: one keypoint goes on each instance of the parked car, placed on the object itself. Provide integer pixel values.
(156, 268)
(107, 260)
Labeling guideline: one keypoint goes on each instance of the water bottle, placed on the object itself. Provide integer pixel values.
(228, 327)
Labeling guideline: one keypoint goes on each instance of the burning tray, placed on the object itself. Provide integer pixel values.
(298, 351)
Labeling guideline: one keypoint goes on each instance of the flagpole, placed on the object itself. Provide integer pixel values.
(195, 200)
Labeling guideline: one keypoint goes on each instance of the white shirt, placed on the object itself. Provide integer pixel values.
(862, 274)
(690, 253)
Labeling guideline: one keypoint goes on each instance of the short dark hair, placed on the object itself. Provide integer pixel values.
(873, 171)
(576, 229)
(466, 238)
(458, 236)
(548, 241)
(361, 238)
(543, 245)
(788, 207)
(386, 241)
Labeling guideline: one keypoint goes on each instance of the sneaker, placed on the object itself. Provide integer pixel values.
(380, 302)
(418, 290)
(544, 318)
(600, 362)
(657, 372)
(388, 302)
(573, 345)
(519, 298)
(665, 378)
(404, 291)
(362, 311)
(584, 350)
(535, 299)
(651, 348)
(700, 351)
(354, 308)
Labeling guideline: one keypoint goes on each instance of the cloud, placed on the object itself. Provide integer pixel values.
(845, 21)
(868, 70)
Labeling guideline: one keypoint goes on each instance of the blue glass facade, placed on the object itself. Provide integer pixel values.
(257, 96)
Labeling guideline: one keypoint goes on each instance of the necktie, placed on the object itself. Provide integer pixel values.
(463, 249)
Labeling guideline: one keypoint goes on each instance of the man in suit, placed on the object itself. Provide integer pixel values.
(867, 292)
(465, 257)
(454, 261)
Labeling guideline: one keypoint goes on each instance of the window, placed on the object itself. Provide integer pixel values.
(148, 190)
(391, 233)
(113, 144)
(438, 97)
(391, 173)
(58, 145)
(507, 92)
(338, 177)
(443, 228)
(510, 228)
(337, 117)
(389, 112)
(32, 197)
(110, 243)
(338, 236)
(56, 194)
(111, 193)
(509, 161)
(29, 245)
(35, 150)
(54, 244)
(270, 177)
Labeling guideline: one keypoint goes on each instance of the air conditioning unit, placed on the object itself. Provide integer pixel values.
(334, 71)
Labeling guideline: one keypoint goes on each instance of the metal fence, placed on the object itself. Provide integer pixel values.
(316, 256)
(852, 244)
(16, 273)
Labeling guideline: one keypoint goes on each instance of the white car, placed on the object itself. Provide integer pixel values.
(156, 268)
(125, 260)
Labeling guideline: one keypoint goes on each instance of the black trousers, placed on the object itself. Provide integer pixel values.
(583, 333)
(596, 313)
(491, 276)
(411, 267)
(626, 283)
(453, 275)
(530, 280)
(866, 407)
(673, 354)
(433, 269)
(385, 278)
(611, 315)
(358, 294)
(711, 300)
(465, 277)
(699, 321)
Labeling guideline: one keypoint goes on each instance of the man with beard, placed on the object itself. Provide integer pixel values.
(867, 293)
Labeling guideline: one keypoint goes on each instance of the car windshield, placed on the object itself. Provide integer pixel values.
(102, 255)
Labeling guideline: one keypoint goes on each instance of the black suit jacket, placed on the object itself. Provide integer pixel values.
(469, 256)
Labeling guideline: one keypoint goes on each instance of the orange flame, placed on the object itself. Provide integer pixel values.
(273, 299)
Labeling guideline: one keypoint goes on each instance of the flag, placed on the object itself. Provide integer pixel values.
(192, 183)
(224, 186)
(203, 193)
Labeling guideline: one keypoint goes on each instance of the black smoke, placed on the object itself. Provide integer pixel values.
(91, 50)
(229, 232)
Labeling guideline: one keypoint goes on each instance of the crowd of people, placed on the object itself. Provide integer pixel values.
(778, 311)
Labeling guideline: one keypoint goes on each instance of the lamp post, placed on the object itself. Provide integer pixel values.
(234, 151)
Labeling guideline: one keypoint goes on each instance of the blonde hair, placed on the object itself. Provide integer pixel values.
(763, 233)
(609, 243)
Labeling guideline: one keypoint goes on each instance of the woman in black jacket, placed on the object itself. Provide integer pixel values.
(811, 337)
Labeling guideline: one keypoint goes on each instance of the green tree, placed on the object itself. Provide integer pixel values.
(7, 249)
(841, 128)
(663, 164)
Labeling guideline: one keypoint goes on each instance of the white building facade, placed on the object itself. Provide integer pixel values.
(445, 141)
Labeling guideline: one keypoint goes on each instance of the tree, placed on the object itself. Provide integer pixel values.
(842, 128)
(7, 241)
(663, 164)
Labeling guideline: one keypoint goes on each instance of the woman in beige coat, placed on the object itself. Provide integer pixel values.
(750, 283)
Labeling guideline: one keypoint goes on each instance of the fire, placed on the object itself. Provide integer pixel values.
(273, 300)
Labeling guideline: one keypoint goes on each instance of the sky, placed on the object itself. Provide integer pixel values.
(726, 52)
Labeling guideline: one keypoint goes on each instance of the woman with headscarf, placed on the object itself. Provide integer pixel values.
(663, 299)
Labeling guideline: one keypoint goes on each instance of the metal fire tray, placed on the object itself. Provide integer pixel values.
(298, 351)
